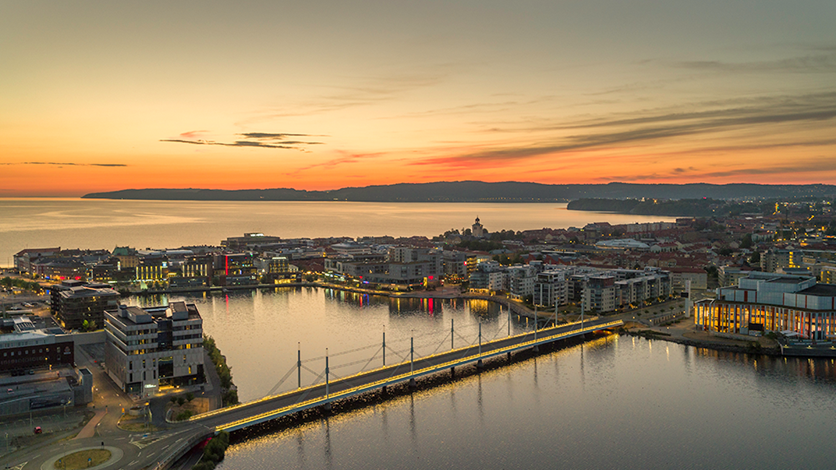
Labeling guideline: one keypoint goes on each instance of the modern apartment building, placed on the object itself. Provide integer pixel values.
(146, 348)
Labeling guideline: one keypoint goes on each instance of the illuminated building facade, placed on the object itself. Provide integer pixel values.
(762, 302)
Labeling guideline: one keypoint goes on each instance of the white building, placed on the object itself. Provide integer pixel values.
(521, 280)
(488, 276)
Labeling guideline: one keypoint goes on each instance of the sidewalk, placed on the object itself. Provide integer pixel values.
(89, 430)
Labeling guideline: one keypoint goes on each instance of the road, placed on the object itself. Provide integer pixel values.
(222, 418)
(134, 451)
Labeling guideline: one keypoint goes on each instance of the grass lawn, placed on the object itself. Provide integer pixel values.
(83, 459)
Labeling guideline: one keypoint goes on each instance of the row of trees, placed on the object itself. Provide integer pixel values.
(230, 396)
(8, 283)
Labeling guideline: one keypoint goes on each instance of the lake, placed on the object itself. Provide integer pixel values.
(616, 402)
(95, 223)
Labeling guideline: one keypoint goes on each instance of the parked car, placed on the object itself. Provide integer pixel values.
(38, 430)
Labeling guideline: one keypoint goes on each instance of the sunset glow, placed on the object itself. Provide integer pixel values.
(321, 95)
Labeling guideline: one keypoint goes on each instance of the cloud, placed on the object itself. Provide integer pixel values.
(67, 164)
(815, 165)
(616, 131)
(811, 63)
(344, 158)
(273, 140)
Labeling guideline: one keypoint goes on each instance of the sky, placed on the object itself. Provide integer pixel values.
(99, 96)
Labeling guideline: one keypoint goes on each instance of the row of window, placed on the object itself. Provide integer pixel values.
(26, 352)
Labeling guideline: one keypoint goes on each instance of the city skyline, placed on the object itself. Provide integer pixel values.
(324, 96)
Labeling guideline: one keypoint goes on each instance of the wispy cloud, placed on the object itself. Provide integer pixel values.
(811, 63)
(615, 131)
(272, 140)
(66, 164)
(807, 166)
(344, 158)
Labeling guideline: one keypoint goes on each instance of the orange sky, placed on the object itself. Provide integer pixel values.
(261, 95)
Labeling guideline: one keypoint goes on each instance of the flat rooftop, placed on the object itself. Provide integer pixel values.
(821, 290)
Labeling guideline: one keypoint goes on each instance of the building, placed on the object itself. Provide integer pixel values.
(249, 242)
(24, 347)
(828, 274)
(146, 348)
(236, 269)
(777, 258)
(152, 271)
(488, 276)
(477, 230)
(195, 271)
(128, 257)
(73, 303)
(23, 259)
(455, 264)
(521, 281)
(762, 302)
(599, 294)
(729, 276)
(551, 288)
(681, 275)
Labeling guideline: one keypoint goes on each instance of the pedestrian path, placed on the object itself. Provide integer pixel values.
(89, 429)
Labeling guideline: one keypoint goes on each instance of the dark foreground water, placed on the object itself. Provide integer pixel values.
(616, 402)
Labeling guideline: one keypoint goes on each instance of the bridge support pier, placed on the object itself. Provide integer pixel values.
(412, 384)
(536, 349)
(479, 365)
(509, 357)
(452, 372)
(327, 407)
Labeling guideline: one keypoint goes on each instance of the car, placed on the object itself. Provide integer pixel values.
(38, 430)
(30, 372)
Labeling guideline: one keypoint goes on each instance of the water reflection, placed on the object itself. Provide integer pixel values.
(259, 331)
(610, 391)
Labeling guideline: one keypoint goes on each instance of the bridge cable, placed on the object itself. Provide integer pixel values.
(286, 376)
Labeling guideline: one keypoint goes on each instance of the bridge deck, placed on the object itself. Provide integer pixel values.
(269, 408)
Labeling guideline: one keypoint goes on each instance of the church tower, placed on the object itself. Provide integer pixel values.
(478, 231)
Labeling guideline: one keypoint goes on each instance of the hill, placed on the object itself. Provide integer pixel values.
(478, 191)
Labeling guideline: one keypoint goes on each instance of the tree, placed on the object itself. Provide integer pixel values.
(747, 241)
(189, 397)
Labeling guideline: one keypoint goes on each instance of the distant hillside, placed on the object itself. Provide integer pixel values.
(703, 207)
(477, 191)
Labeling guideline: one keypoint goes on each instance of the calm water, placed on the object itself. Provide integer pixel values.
(618, 402)
(90, 223)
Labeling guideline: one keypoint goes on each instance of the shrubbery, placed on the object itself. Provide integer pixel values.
(213, 452)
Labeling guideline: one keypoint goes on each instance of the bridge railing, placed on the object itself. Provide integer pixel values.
(314, 402)
(318, 382)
